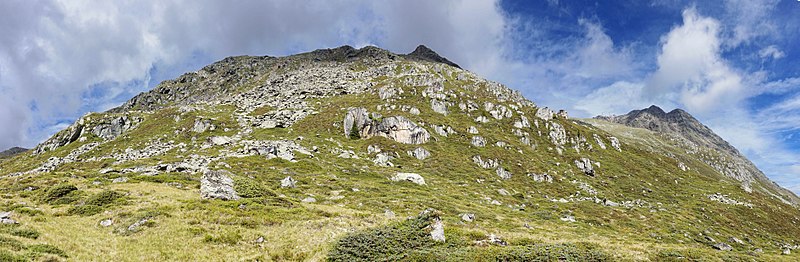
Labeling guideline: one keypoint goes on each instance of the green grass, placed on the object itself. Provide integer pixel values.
(347, 221)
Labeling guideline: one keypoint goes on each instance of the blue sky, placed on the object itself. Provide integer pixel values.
(730, 63)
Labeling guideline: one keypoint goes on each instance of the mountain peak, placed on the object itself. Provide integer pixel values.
(422, 52)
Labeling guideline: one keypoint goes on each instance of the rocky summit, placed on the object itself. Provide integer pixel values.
(349, 154)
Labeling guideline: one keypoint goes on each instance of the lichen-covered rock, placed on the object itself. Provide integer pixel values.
(202, 125)
(111, 129)
(486, 164)
(557, 134)
(585, 165)
(217, 185)
(410, 177)
(420, 153)
(478, 141)
(503, 173)
(288, 182)
(541, 177)
(400, 129)
(615, 143)
(544, 113)
(599, 141)
(472, 130)
(382, 159)
(439, 106)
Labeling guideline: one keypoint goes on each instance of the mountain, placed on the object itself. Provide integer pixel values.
(349, 154)
(703, 142)
(12, 152)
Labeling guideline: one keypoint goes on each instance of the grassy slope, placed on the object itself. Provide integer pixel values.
(183, 227)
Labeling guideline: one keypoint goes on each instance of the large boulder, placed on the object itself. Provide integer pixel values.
(355, 120)
(112, 129)
(410, 177)
(402, 130)
(585, 165)
(217, 185)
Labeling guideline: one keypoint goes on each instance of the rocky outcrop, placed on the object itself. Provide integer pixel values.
(410, 177)
(115, 127)
(486, 164)
(426, 54)
(66, 136)
(544, 113)
(217, 185)
(541, 177)
(503, 173)
(288, 182)
(419, 153)
(558, 136)
(355, 121)
(585, 165)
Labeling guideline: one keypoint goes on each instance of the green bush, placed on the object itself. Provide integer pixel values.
(60, 194)
(7, 256)
(47, 249)
(104, 198)
(538, 252)
(26, 233)
(389, 243)
(250, 189)
(230, 238)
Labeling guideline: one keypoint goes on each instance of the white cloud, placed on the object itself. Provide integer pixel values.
(771, 52)
(690, 64)
(53, 52)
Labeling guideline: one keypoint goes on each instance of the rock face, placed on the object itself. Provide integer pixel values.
(357, 124)
(410, 177)
(402, 130)
(217, 185)
(115, 127)
(355, 120)
(544, 113)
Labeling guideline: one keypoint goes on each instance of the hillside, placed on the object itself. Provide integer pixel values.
(361, 155)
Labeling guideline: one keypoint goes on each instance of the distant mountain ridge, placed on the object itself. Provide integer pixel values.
(12, 152)
(695, 135)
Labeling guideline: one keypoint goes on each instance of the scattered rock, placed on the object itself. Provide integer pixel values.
(420, 153)
(723, 247)
(5, 218)
(472, 130)
(615, 143)
(135, 226)
(259, 240)
(382, 159)
(683, 166)
(562, 114)
(541, 177)
(469, 217)
(217, 185)
(568, 218)
(288, 182)
(786, 251)
(309, 200)
(373, 149)
(120, 180)
(414, 111)
(220, 140)
(411, 177)
(439, 106)
(106, 222)
(478, 141)
(585, 165)
(557, 134)
(736, 240)
(544, 113)
(503, 173)
(201, 125)
(486, 164)
(493, 240)
(437, 230)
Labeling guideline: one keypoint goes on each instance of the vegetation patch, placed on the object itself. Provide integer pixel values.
(96, 203)
(60, 194)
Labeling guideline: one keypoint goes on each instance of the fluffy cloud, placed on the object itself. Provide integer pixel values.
(771, 52)
(59, 59)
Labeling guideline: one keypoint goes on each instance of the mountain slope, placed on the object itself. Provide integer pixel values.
(12, 152)
(702, 141)
(325, 154)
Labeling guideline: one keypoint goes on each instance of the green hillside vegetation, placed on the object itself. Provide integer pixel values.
(359, 214)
